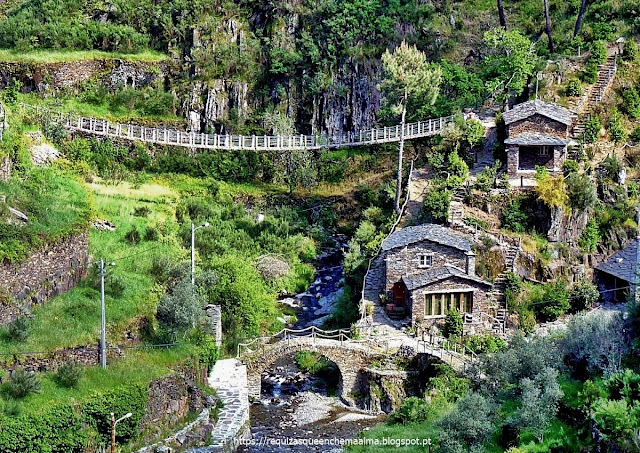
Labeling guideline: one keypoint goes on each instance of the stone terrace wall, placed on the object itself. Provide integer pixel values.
(46, 273)
(112, 72)
(50, 361)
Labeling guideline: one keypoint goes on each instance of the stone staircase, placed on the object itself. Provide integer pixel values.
(606, 73)
(498, 299)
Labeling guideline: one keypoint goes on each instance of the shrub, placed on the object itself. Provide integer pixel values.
(631, 103)
(553, 303)
(583, 295)
(570, 166)
(616, 128)
(513, 283)
(120, 401)
(573, 88)
(598, 53)
(486, 178)
(487, 343)
(590, 73)
(141, 211)
(630, 50)
(527, 320)
(581, 191)
(180, 309)
(133, 236)
(453, 324)
(513, 218)
(634, 136)
(115, 286)
(435, 207)
(151, 234)
(68, 375)
(592, 129)
(310, 362)
(18, 329)
(412, 410)
(22, 383)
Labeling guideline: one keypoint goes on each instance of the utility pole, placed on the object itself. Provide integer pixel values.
(103, 321)
(103, 326)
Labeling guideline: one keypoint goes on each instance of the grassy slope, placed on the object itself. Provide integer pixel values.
(76, 314)
(62, 56)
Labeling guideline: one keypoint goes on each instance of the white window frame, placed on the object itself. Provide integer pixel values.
(425, 260)
(544, 151)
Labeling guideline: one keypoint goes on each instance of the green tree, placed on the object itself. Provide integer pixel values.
(581, 191)
(539, 402)
(583, 295)
(471, 422)
(552, 190)
(22, 383)
(616, 128)
(590, 236)
(407, 74)
(181, 308)
(509, 63)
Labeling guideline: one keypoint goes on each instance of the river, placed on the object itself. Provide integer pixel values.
(296, 407)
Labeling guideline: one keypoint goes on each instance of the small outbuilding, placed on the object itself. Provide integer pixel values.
(537, 135)
(617, 277)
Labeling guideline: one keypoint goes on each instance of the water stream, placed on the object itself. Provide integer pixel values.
(298, 407)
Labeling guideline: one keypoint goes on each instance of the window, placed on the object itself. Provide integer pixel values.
(544, 151)
(438, 304)
(425, 260)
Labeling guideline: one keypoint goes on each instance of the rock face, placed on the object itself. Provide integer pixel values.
(41, 77)
(46, 273)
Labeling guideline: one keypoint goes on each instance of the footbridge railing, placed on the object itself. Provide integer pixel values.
(459, 356)
(194, 140)
(310, 334)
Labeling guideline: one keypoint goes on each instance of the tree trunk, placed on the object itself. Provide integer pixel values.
(583, 7)
(396, 205)
(548, 25)
(503, 19)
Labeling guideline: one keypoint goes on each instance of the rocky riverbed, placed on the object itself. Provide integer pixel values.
(298, 408)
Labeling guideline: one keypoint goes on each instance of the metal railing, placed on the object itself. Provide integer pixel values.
(448, 351)
(286, 335)
(193, 140)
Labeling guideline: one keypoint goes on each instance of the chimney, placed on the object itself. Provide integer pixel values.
(471, 263)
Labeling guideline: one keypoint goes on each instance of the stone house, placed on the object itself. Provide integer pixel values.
(618, 277)
(429, 270)
(537, 135)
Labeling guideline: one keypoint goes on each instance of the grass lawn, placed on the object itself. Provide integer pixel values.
(137, 367)
(61, 56)
(76, 314)
(105, 110)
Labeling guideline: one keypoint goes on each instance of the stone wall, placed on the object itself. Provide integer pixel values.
(50, 361)
(403, 261)
(54, 269)
(170, 399)
(42, 77)
(480, 295)
(5, 168)
(538, 124)
(384, 391)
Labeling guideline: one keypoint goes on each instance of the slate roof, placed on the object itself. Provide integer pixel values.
(426, 232)
(530, 108)
(625, 263)
(529, 138)
(436, 274)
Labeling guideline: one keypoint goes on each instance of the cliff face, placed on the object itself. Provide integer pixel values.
(247, 80)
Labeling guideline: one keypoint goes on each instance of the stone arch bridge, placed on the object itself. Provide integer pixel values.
(351, 356)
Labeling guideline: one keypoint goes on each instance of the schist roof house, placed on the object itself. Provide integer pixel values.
(618, 276)
(537, 134)
(430, 270)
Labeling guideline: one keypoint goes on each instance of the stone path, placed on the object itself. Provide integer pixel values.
(229, 378)
(418, 186)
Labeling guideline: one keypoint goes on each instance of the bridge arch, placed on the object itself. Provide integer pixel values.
(349, 358)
